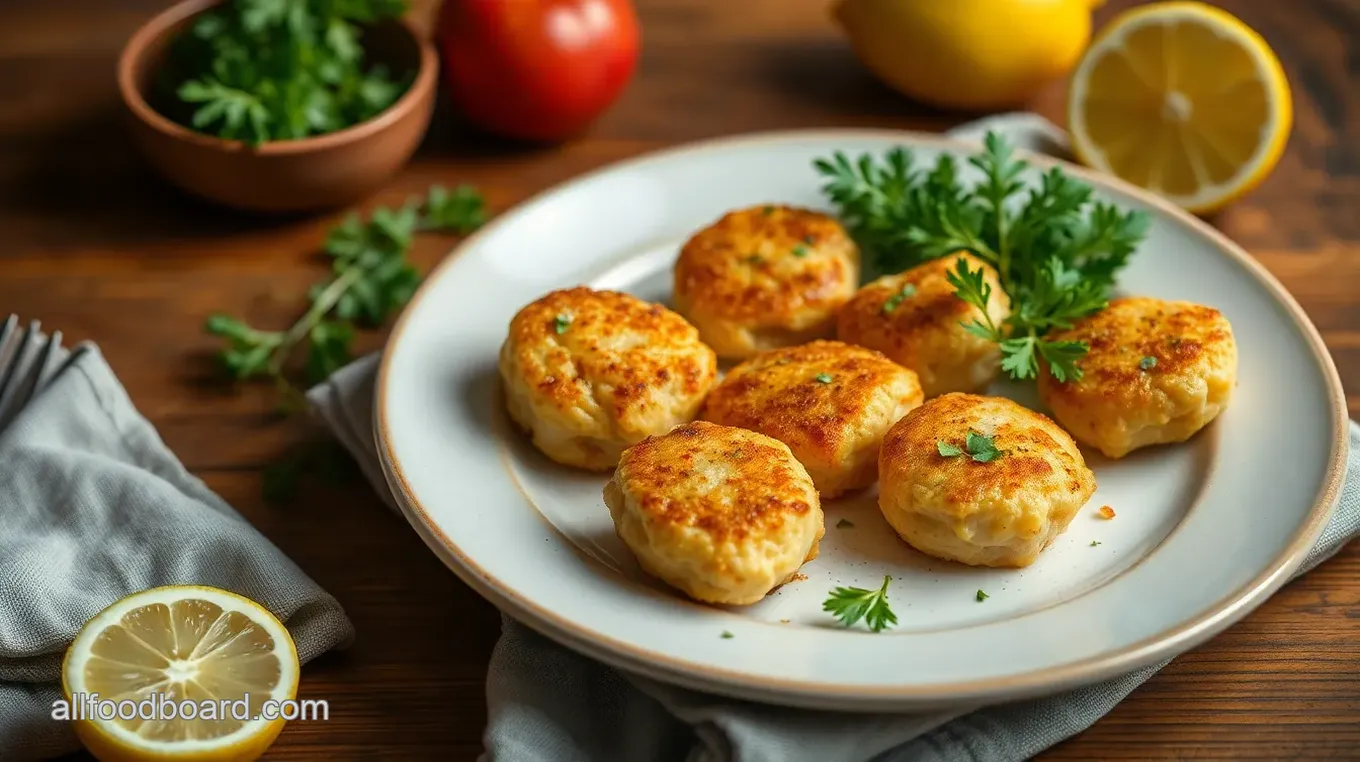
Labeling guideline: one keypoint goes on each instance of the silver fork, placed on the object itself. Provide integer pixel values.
(28, 360)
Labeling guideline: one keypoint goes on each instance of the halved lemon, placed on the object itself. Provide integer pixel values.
(1183, 99)
(200, 649)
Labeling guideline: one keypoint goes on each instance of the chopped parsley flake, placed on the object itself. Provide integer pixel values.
(767, 211)
(981, 596)
(1094, 543)
(1147, 363)
(907, 292)
(823, 378)
(800, 250)
(561, 323)
(980, 448)
(726, 635)
(754, 259)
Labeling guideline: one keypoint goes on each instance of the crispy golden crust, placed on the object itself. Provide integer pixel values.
(618, 370)
(1119, 405)
(829, 402)
(998, 513)
(924, 331)
(722, 514)
(765, 277)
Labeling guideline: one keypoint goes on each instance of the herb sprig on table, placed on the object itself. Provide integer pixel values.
(1057, 251)
(262, 70)
(371, 279)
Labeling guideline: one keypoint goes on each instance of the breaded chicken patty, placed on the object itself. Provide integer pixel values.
(1156, 372)
(765, 277)
(588, 373)
(916, 320)
(980, 480)
(829, 402)
(722, 514)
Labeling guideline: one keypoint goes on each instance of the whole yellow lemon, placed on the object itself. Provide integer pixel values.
(967, 54)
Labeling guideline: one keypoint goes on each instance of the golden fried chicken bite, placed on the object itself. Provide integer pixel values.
(588, 373)
(980, 480)
(722, 514)
(916, 320)
(829, 402)
(1156, 372)
(765, 277)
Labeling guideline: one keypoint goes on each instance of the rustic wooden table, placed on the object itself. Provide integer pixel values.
(93, 245)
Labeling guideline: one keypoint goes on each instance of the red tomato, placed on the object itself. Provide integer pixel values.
(537, 69)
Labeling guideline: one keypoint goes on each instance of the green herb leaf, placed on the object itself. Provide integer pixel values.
(561, 323)
(823, 378)
(851, 604)
(948, 450)
(727, 635)
(1147, 363)
(1094, 543)
(981, 596)
(907, 292)
(800, 250)
(980, 448)
(371, 280)
(1054, 250)
(461, 211)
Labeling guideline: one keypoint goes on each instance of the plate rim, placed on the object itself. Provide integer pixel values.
(1166, 644)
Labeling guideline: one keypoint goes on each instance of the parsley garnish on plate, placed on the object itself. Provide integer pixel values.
(561, 323)
(1055, 249)
(1147, 363)
(978, 447)
(1094, 543)
(726, 635)
(907, 292)
(264, 70)
(822, 378)
(800, 250)
(981, 596)
(851, 604)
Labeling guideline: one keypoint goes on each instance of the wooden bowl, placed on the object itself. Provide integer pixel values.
(313, 173)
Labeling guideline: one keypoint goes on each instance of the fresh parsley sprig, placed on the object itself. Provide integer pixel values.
(1056, 250)
(262, 70)
(371, 279)
(851, 604)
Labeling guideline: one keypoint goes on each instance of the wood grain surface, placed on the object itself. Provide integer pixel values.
(96, 247)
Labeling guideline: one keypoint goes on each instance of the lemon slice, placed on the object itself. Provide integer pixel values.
(1183, 99)
(171, 645)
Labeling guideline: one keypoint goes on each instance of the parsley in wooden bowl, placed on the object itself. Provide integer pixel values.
(279, 105)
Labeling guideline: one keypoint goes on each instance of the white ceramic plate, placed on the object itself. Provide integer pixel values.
(1204, 531)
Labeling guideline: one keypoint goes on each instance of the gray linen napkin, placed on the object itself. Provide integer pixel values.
(547, 703)
(93, 506)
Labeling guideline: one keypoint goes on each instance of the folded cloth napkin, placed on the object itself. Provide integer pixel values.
(547, 703)
(94, 507)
